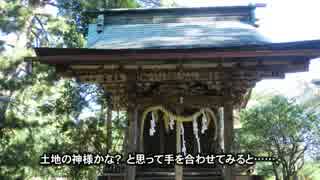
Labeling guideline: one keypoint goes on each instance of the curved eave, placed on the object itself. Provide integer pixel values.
(68, 56)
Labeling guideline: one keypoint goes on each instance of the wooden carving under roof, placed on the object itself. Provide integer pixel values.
(221, 81)
(208, 56)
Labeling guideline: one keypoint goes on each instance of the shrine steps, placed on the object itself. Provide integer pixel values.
(188, 174)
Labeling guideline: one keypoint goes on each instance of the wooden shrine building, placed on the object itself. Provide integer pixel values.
(179, 73)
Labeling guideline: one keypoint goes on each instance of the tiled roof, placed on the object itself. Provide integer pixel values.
(174, 28)
(174, 35)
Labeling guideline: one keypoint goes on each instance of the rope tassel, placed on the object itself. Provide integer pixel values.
(171, 123)
(195, 132)
(184, 149)
(204, 122)
(170, 119)
(152, 129)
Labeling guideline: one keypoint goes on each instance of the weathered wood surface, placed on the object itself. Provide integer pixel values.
(305, 49)
(178, 168)
(228, 137)
(133, 115)
(245, 10)
(161, 73)
(173, 57)
(182, 80)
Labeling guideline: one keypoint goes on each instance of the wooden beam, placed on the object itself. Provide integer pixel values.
(172, 56)
(187, 100)
(169, 76)
(185, 11)
(242, 65)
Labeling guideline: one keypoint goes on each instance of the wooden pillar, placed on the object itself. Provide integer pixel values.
(133, 118)
(162, 137)
(132, 147)
(228, 136)
(178, 168)
(140, 132)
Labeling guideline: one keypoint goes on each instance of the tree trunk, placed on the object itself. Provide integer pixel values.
(125, 141)
(109, 126)
(276, 174)
(295, 177)
(285, 177)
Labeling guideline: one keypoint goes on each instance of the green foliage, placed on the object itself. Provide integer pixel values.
(14, 16)
(311, 171)
(46, 114)
(76, 10)
(283, 129)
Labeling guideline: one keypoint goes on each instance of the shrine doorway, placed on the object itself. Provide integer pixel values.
(200, 135)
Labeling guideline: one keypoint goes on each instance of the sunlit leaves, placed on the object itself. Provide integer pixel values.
(282, 128)
(14, 16)
(47, 113)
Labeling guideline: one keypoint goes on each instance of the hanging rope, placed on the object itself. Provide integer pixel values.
(152, 124)
(170, 118)
(195, 132)
(171, 123)
(184, 148)
(205, 123)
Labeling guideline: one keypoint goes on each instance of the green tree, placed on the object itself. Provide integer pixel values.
(283, 129)
(44, 113)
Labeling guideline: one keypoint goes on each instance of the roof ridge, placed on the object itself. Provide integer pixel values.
(174, 9)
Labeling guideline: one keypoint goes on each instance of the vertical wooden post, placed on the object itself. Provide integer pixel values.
(133, 116)
(132, 138)
(162, 137)
(178, 168)
(228, 136)
(141, 129)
